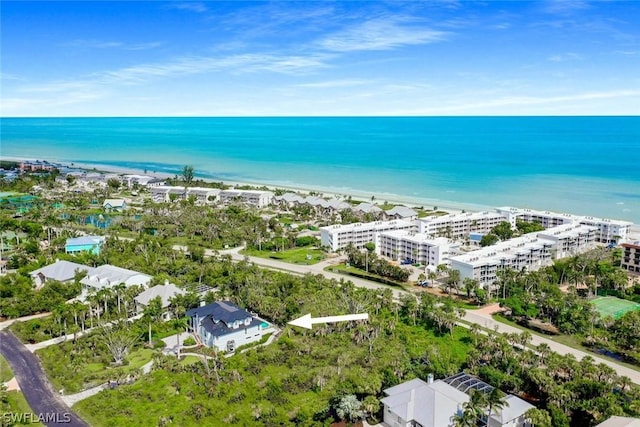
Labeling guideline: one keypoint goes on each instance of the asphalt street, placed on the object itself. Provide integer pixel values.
(44, 402)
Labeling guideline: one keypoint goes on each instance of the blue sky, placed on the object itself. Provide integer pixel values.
(156, 58)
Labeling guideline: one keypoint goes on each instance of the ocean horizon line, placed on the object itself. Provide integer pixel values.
(390, 116)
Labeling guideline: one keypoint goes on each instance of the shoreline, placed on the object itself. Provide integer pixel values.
(358, 195)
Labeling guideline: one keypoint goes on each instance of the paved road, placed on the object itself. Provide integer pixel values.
(471, 315)
(7, 323)
(35, 386)
(487, 321)
(313, 269)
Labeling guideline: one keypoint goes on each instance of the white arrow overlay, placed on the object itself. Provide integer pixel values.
(307, 321)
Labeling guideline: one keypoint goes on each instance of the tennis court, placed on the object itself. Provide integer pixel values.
(612, 306)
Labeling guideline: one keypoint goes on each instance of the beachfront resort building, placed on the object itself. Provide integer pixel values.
(570, 239)
(609, 230)
(528, 252)
(339, 236)
(631, 257)
(168, 193)
(434, 403)
(418, 247)
(257, 198)
(460, 225)
(226, 326)
(142, 180)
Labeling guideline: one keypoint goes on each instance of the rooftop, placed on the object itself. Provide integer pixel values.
(61, 270)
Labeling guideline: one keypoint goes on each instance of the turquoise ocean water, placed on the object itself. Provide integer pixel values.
(583, 165)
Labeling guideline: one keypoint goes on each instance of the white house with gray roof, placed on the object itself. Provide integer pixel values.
(164, 292)
(108, 276)
(61, 271)
(402, 212)
(616, 421)
(433, 403)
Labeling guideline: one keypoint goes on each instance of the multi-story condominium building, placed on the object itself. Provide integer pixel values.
(417, 247)
(202, 195)
(529, 252)
(256, 198)
(339, 236)
(570, 239)
(609, 230)
(460, 225)
(631, 257)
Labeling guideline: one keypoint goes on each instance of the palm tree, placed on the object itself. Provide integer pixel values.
(495, 403)
(119, 288)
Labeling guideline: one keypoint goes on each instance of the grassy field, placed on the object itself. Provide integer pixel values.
(17, 404)
(5, 370)
(615, 307)
(87, 372)
(341, 268)
(292, 256)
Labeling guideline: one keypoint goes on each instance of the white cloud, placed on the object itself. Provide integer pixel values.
(102, 44)
(381, 34)
(570, 56)
(189, 6)
(335, 83)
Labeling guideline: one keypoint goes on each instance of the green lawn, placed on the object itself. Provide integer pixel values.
(341, 268)
(17, 404)
(292, 256)
(5, 370)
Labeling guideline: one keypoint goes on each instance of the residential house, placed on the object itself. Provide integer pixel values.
(616, 421)
(288, 200)
(91, 244)
(117, 205)
(402, 212)
(60, 271)
(164, 292)
(434, 403)
(367, 208)
(226, 326)
(108, 276)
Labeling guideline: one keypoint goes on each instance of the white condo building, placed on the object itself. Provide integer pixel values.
(256, 198)
(530, 252)
(609, 230)
(203, 195)
(460, 225)
(339, 236)
(418, 247)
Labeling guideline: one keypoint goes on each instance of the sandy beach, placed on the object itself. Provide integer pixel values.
(364, 196)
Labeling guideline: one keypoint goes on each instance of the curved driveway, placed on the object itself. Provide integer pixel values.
(35, 386)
